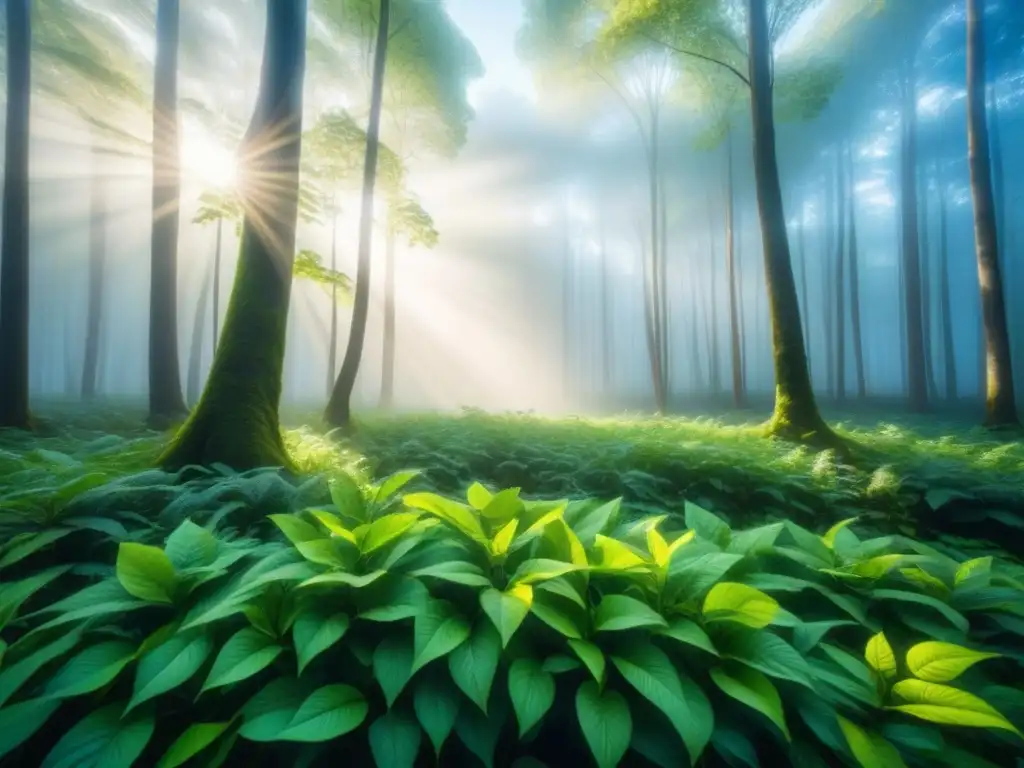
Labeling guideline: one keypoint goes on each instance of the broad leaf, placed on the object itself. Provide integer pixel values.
(879, 656)
(146, 572)
(392, 665)
(20, 721)
(246, 653)
(382, 532)
(395, 740)
(314, 632)
(532, 691)
(327, 713)
(169, 665)
(91, 669)
(474, 663)
(619, 612)
(102, 739)
(605, 721)
(437, 631)
(750, 687)
(437, 706)
(730, 601)
(870, 749)
(190, 546)
(707, 525)
(948, 706)
(194, 740)
(592, 656)
(459, 516)
(941, 662)
(507, 609)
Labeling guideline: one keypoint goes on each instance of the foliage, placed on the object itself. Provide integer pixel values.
(309, 265)
(395, 626)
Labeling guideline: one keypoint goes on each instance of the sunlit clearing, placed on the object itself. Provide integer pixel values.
(207, 162)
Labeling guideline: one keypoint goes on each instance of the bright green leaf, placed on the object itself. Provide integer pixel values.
(879, 656)
(194, 740)
(941, 662)
(750, 687)
(870, 749)
(437, 631)
(948, 706)
(102, 739)
(507, 609)
(730, 601)
(146, 572)
(246, 653)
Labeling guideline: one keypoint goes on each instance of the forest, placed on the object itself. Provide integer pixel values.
(512, 383)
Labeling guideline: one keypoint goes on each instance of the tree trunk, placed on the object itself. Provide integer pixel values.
(842, 192)
(97, 277)
(663, 301)
(567, 315)
(339, 407)
(854, 264)
(828, 280)
(926, 291)
(216, 285)
(332, 351)
(654, 289)
(236, 421)
(195, 353)
(796, 411)
(805, 308)
(735, 340)
(387, 386)
(606, 315)
(1000, 405)
(714, 368)
(166, 401)
(948, 348)
(915, 361)
(14, 247)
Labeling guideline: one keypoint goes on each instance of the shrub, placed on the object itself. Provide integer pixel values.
(405, 630)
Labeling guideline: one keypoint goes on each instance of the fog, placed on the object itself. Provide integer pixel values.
(534, 296)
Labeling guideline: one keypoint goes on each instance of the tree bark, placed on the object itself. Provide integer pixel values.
(796, 411)
(735, 340)
(948, 347)
(339, 407)
(915, 361)
(1000, 404)
(166, 401)
(854, 264)
(842, 192)
(236, 420)
(805, 310)
(387, 386)
(216, 285)
(14, 246)
(97, 278)
(195, 354)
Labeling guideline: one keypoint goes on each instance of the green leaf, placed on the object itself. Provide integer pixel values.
(437, 631)
(879, 656)
(953, 617)
(750, 687)
(768, 653)
(974, 573)
(393, 483)
(948, 706)
(341, 578)
(314, 632)
(395, 740)
(503, 538)
(594, 521)
(15, 675)
(392, 666)
(194, 740)
(730, 601)
(30, 544)
(532, 691)
(327, 713)
(323, 552)
(333, 524)
(393, 600)
(691, 578)
(454, 514)
(605, 721)
(708, 526)
(688, 633)
(478, 732)
(382, 532)
(503, 506)
(829, 537)
(271, 709)
(478, 496)
(102, 739)
(474, 663)
(437, 706)
(648, 669)
(557, 619)
(91, 669)
(870, 749)
(806, 636)
(455, 571)
(13, 595)
(20, 721)
(347, 496)
(941, 662)
(246, 653)
(190, 546)
(592, 656)
(533, 571)
(614, 556)
(618, 612)
(169, 665)
(146, 572)
(507, 609)
(297, 530)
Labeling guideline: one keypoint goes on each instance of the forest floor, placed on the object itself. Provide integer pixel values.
(919, 477)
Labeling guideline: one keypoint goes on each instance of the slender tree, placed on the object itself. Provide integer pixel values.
(14, 247)
(236, 420)
(1000, 404)
(166, 401)
(945, 310)
(97, 278)
(926, 286)
(854, 264)
(735, 335)
(842, 191)
(195, 354)
(339, 407)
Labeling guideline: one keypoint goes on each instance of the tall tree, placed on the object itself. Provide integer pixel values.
(735, 335)
(97, 278)
(339, 407)
(236, 420)
(842, 192)
(166, 401)
(14, 247)
(945, 308)
(1000, 404)
(854, 264)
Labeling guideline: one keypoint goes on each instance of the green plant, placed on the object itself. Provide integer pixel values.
(554, 629)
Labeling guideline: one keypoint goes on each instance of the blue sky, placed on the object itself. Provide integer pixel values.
(492, 26)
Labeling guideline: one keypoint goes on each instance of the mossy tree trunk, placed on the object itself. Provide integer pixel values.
(1000, 404)
(945, 310)
(166, 401)
(796, 411)
(735, 340)
(97, 279)
(236, 420)
(14, 253)
(387, 384)
(339, 407)
(216, 284)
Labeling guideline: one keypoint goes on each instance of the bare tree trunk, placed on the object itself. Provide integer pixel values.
(663, 300)
(738, 393)
(855, 326)
(840, 276)
(387, 387)
(339, 407)
(654, 289)
(828, 277)
(606, 314)
(14, 247)
(714, 362)
(926, 292)
(915, 360)
(332, 351)
(948, 348)
(805, 311)
(166, 401)
(195, 355)
(97, 278)
(1000, 405)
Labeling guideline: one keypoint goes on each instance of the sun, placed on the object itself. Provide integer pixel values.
(205, 161)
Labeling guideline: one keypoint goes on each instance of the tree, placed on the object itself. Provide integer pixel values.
(97, 278)
(166, 402)
(735, 336)
(945, 310)
(14, 247)
(1000, 404)
(854, 264)
(236, 420)
(216, 207)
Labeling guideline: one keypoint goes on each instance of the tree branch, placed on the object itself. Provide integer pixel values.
(701, 56)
